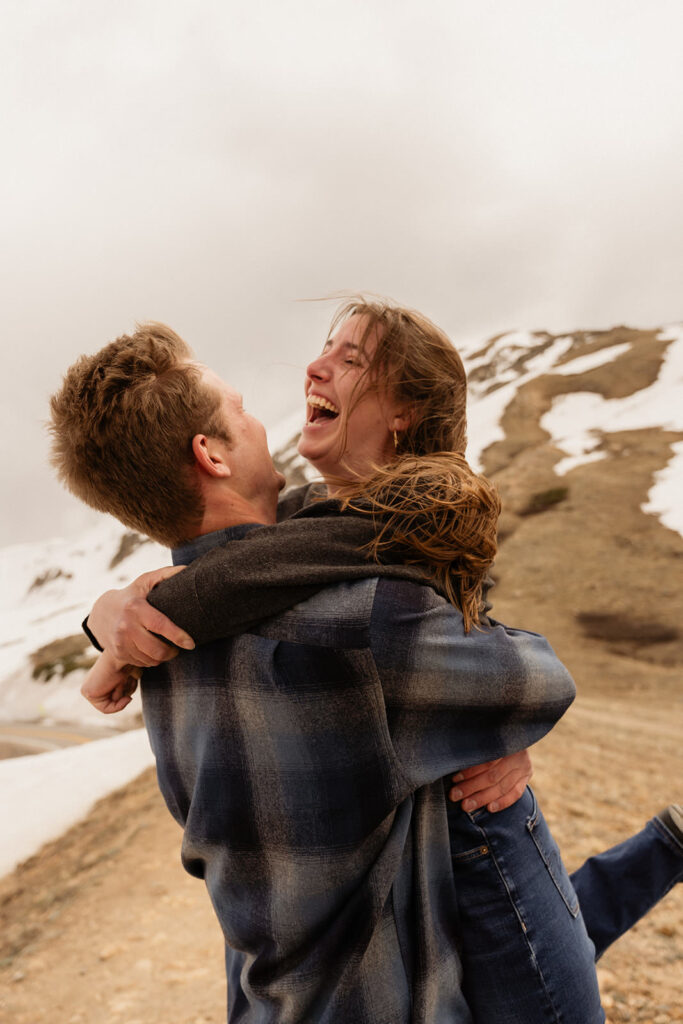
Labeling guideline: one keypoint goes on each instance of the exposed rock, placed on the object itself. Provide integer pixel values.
(62, 656)
(130, 542)
(541, 501)
(48, 576)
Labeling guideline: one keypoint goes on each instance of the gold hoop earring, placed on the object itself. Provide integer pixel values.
(395, 441)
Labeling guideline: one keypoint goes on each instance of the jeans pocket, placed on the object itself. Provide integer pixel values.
(550, 854)
(467, 856)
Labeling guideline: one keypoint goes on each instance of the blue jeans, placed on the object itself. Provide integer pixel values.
(528, 950)
(617, 887)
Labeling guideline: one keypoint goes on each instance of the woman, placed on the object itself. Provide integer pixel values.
(385, 427)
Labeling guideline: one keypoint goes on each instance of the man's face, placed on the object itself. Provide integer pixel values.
(253, 472)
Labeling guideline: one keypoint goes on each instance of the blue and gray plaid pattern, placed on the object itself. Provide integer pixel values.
(305, 761)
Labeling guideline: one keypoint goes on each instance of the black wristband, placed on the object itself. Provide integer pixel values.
(90, 635)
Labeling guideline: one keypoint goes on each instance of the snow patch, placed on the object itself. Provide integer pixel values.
(43, 795)
(665, 498)
(565, 466)
(582, 364)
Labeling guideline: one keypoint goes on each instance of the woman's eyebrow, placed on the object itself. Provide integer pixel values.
(348, 346)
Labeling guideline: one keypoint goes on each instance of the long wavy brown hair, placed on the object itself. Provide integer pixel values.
(430, 508)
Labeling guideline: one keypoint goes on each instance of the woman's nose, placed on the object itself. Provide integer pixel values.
(318, 369)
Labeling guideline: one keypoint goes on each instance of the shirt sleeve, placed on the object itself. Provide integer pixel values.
(456, 699)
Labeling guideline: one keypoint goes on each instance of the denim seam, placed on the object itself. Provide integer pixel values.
(572, 906)
(555, 1019)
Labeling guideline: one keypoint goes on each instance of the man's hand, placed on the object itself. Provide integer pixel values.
(494, 785)
(110, 685)
(124, 623)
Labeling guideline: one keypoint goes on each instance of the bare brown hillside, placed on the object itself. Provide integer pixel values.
(103, 927)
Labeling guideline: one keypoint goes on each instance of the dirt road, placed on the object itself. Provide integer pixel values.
(20, 738)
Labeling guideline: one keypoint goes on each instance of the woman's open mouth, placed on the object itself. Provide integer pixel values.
(320, 410)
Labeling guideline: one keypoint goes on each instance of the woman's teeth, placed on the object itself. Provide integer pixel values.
(322, 403)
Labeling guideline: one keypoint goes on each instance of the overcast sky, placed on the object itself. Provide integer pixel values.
(504, 164)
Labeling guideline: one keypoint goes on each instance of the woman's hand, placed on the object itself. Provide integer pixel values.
(495, 784)
(124, 623)
(109, 685)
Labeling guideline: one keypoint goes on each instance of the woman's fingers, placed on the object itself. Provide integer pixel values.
(133, 640)
(494, 785)
(124, 622)
(148, 580)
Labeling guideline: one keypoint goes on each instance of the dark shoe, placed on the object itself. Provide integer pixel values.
(672, 820)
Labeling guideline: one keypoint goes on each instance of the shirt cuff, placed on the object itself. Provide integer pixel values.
(90, 635)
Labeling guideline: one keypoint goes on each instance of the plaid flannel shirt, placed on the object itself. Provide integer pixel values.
(305, 761)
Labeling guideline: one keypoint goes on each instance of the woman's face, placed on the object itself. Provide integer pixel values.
(333, 409)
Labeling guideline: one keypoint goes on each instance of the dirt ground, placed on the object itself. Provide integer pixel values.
(104, 927)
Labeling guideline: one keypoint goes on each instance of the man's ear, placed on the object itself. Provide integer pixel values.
(210, 455)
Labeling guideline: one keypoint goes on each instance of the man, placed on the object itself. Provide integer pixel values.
(305, 758)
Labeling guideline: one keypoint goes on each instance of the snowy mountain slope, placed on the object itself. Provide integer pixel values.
(578, 390)
(45, 592)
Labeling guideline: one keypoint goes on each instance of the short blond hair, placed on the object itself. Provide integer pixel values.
(122, 426)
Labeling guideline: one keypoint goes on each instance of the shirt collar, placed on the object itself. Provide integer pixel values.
(186, 553)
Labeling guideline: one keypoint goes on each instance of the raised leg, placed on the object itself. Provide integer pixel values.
(618, 887)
